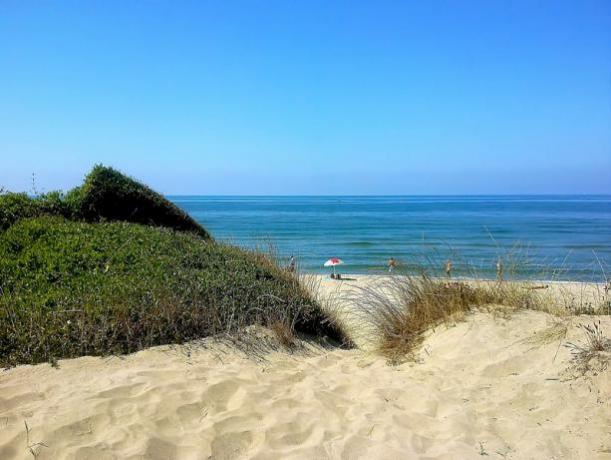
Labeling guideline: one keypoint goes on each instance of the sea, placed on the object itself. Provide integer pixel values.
(528, 237)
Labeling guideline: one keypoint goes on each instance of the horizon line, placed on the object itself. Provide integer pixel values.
(396, 195)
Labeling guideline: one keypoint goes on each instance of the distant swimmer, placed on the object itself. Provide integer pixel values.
(392, 264)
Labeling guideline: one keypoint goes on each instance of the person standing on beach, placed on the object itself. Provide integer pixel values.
(499, 269)
(292, 264)
(448, 269)
(392, 263)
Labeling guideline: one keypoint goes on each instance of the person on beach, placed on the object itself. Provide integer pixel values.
(448, 269)
(499, 269)
(292, 264)
(392, 263)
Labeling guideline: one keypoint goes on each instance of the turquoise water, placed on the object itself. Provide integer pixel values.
(568, 234)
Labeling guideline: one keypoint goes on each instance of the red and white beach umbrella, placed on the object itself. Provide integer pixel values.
(333, 262)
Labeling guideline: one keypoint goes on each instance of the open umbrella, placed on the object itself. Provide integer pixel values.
(333, 262)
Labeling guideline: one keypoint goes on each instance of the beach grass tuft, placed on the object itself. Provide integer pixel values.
(593, 353)
(402, 308)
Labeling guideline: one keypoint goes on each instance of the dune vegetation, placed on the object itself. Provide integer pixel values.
(109, 195)
(113, 267)
(402, 309)
(105, 195)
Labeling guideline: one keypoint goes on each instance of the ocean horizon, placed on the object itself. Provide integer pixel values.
(564, 237)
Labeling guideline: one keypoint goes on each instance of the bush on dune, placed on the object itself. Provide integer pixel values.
(106, 195)
(110, 195)
(17, 206)
(113, 267)
(71, 289)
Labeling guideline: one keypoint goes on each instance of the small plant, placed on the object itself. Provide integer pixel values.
(33, 448)
(34, 188)
(593, 353)
(284, 333)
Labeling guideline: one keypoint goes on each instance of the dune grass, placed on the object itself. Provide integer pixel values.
(402, 308)
(593, 353)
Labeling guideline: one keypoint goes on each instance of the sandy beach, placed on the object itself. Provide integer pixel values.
(305, 230)
(500, 385)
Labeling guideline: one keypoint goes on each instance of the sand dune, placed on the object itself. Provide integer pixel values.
(494, 386)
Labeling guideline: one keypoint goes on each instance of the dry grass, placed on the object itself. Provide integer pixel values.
(281, 334)
(555, 332)
(309, 285)
(285, 333)
(34, 448)
(593, 354)
(402, 308)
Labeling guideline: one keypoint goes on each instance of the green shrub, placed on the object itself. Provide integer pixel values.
(106, 195)
(109, 195)
(17, 206)
(70, 288)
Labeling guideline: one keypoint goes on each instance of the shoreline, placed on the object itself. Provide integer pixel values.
(360, 276)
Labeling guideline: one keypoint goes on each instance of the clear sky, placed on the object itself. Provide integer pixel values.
(310, 97)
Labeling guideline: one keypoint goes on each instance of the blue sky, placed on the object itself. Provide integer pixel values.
(281, 97)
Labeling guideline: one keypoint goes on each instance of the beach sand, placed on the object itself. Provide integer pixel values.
(494, 385)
